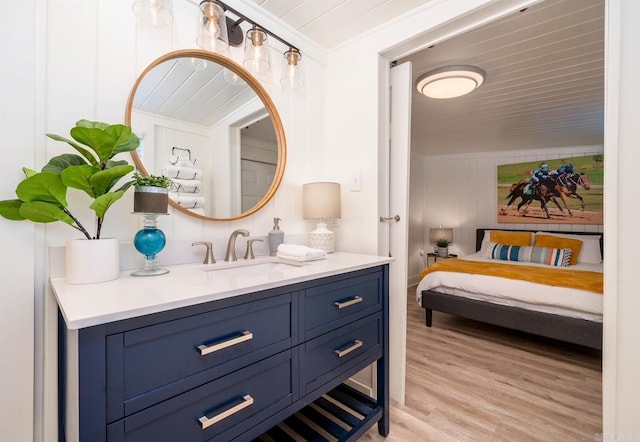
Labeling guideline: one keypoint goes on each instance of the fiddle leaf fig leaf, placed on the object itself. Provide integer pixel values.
(84, 152)
(10, 209)
(61, 162)
(88, 123)
(101, 142)
(43, 212)
(112, 163)
(102, 182)
(106, 142)
(126, 140)
(44, 186)
(28, 172)
(79, 177)
(103, 202)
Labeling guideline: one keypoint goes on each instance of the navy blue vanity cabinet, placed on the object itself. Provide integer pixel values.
(232, 369)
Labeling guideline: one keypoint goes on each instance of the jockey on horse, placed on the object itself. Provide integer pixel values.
(537, 175)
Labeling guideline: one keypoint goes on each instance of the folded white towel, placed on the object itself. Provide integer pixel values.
(187, 186)
(298, 252)
(186, 173)
(187, 200)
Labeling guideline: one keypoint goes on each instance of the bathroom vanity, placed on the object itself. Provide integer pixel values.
(225, 354)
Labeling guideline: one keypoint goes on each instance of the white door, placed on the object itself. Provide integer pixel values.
(393, 230)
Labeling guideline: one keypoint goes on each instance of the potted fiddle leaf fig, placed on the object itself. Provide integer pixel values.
(151, 193)
(42, 196)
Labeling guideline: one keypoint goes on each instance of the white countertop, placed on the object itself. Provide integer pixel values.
(85, 305)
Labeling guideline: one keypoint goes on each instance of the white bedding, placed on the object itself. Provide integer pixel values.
(563, 301)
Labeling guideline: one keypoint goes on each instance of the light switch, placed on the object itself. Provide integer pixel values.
(356, 182)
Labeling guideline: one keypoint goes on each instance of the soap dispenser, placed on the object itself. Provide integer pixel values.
(276, 237)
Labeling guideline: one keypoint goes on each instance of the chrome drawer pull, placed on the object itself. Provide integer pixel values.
(354, 300)
(206, 349)
(206, 422)
(357, 344)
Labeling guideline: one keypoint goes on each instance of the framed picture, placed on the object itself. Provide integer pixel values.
(557, 191)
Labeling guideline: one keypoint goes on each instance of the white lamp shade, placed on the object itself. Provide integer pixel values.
(321, 200)
(440, 233)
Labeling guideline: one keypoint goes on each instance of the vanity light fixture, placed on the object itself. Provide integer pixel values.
(257, 56)
(157, 13)
(321, 201)
(450, 81)
(291, 74)
(213, 30)
(257, 52)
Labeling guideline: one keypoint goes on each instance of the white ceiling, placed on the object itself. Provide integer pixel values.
(545, 72)
(331, 22)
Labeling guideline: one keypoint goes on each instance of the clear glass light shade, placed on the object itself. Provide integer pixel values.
(257, 56)
(232, 78)
(157, 13)
(450, 81)
(292, 77)
(213, 31)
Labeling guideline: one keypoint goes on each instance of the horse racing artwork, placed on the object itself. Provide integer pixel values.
(555, 191)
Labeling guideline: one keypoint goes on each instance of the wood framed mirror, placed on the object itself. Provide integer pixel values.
(209, 125)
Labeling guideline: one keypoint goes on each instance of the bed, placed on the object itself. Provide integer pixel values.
(566, 314)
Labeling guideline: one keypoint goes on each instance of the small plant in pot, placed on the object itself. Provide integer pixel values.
(151, 193)
(443, 247)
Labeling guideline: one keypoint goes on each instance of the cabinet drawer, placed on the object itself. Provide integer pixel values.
(330, 355)
(151, 364)
(329, 306)
(218, 410)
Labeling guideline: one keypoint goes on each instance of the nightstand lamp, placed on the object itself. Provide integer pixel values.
(321, 201)
(441, 237)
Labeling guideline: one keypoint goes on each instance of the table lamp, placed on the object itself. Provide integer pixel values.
(442, 237)
(321, 201)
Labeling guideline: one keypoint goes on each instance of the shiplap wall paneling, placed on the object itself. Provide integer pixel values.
(460, 192)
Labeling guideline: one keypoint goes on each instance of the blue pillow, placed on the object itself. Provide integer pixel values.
(540, 255)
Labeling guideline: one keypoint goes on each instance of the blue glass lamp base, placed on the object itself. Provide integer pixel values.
(150, 241)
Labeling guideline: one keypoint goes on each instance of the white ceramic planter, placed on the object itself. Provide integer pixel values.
(443, 251)
(92, 261)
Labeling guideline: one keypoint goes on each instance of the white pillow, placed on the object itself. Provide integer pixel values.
(590, 251)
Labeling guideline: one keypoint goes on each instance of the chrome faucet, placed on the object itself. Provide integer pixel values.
(230, 255)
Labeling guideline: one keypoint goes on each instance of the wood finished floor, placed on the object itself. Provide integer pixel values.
(468, 381)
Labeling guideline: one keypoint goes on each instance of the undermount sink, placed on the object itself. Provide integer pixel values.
(254, 266)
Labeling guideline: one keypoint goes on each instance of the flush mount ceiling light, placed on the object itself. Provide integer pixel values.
(450, 81)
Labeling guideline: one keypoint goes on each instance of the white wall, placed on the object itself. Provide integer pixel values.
(621, 364)
(19, 99)
(460, 191)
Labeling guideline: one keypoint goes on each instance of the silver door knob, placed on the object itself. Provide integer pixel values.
(393, 218)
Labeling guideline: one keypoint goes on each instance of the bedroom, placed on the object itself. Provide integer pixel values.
(42, 104)
(529, 58)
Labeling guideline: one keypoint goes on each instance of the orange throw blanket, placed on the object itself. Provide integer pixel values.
(577, 279)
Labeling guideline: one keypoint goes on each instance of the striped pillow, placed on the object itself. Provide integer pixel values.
(540, 255)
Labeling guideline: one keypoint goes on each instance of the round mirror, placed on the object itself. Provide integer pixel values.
(208, 124)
